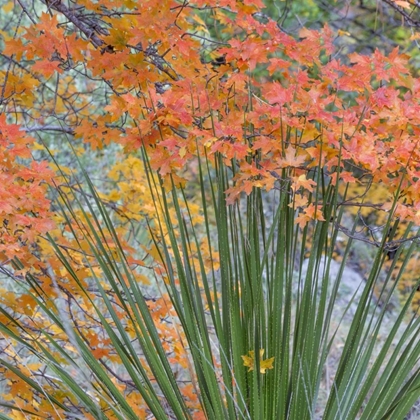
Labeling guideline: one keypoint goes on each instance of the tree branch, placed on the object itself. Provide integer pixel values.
(49, 128)
(77, 20)
(406, 15)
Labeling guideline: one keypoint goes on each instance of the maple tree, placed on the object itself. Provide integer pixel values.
(150, 82)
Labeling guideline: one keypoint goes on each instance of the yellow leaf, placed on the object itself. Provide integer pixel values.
(114, 195)
(153, 252)
(130, 4)
(64, 169)
(182, 151)
(249, 361)
(8, 7)
(198, 20)
(342, 33)
(37, 146)
(34, 366)
(264, 364)
(142, 278)
(403, 4)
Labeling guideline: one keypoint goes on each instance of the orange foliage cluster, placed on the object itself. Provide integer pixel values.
(158, 75)
(21, 187)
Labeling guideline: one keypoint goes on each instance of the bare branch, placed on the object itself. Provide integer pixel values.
(77, 20)
(407, 16)
(49, 128)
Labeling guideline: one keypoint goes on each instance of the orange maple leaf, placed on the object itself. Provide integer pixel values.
(291, 159)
